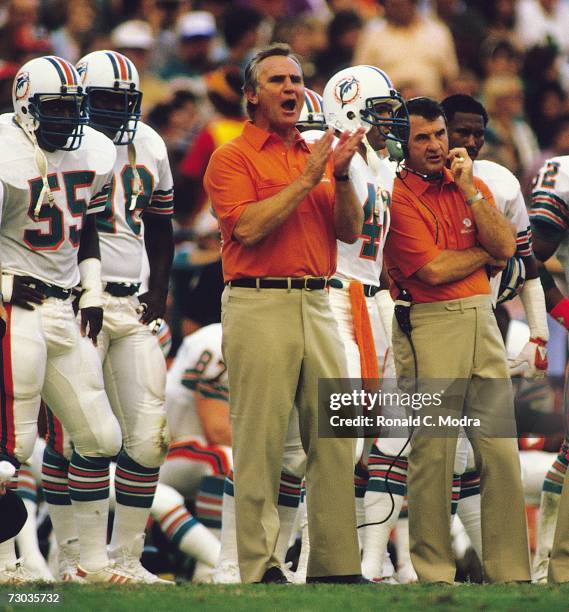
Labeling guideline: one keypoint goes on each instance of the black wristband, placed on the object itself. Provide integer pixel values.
(342, 178)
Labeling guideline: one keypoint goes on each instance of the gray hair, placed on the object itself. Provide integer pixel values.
(251, 78)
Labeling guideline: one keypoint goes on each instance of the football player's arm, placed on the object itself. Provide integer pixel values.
(214, 417)
(91, 300)
(348, 211)
(159, 243)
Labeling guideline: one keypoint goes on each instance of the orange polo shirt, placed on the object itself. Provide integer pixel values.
(254, 167)
(427, 218)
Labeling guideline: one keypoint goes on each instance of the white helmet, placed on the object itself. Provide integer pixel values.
(108, 72)
(352, 95)
(512, 280)
(312, 114)
(49, 102)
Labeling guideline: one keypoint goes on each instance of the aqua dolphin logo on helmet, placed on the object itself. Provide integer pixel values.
(21, 85)
(347, 90)
(364, 96)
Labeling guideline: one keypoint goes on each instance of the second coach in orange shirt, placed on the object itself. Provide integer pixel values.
(281, 207)
(444, 231)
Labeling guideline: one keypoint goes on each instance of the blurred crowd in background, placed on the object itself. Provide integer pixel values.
(513, 55)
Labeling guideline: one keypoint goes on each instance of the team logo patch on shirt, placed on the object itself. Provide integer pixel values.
(21, 85)
(467, 229)
(347, 90)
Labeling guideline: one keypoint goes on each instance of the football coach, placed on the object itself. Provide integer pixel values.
(281, 206)
(445, 230)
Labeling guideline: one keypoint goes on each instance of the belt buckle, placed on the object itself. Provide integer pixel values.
(306, 279)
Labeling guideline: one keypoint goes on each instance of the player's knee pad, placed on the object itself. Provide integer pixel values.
(103, 440)
(151, 448)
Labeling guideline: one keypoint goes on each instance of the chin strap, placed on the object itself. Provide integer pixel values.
(136, 183)
(41, 162)
(375, 166)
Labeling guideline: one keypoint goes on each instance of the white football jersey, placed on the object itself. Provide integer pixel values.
(46, 247)
(507, 193)
(550, 197)
(197, 368)
(362, 260)
(121, 231)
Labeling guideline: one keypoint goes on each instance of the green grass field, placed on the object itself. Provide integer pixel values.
(297, 598)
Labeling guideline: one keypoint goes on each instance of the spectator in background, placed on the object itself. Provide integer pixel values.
(466, 82)
(500, 18)
(178, 120)
(344, 32)
(72, 39)
(196, 31)
(418, 52)
(542, 22)
(545, 97)
(241, 32)
(510, 141)
(135, 39)
(22, 36)
(499, 57)
(468, 30)
(224, 91)
(306, 36)
(162, 15)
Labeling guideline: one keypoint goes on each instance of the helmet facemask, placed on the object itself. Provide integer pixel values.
(115, 112)
(393, 127)
(59, 119)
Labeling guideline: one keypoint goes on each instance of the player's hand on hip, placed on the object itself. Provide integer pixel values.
(346, 148)
(25, 296)
(461, 169)
(532, 360)
(153, 307)
(319, 156)
(91, 322)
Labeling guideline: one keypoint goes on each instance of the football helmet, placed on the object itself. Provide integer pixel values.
(49, 104)
(114, 98)
(512, 280)
(312, 115)
(351, 99)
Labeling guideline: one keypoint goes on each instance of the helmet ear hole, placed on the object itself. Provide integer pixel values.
(351, 115)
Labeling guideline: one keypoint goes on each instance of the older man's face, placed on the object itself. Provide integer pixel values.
(280, 94)
(428, 145)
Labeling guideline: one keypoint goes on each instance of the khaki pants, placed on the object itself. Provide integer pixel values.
(559, 559)
(459, 339)
(277, 344)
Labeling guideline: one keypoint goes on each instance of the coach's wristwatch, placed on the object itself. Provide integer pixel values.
(475, 198)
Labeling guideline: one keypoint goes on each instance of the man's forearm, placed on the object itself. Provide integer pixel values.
(494, 230)
(449, 266)
(258, 220)
(348, 213)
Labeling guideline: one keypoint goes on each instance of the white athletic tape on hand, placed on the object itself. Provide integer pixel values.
(90, 273)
